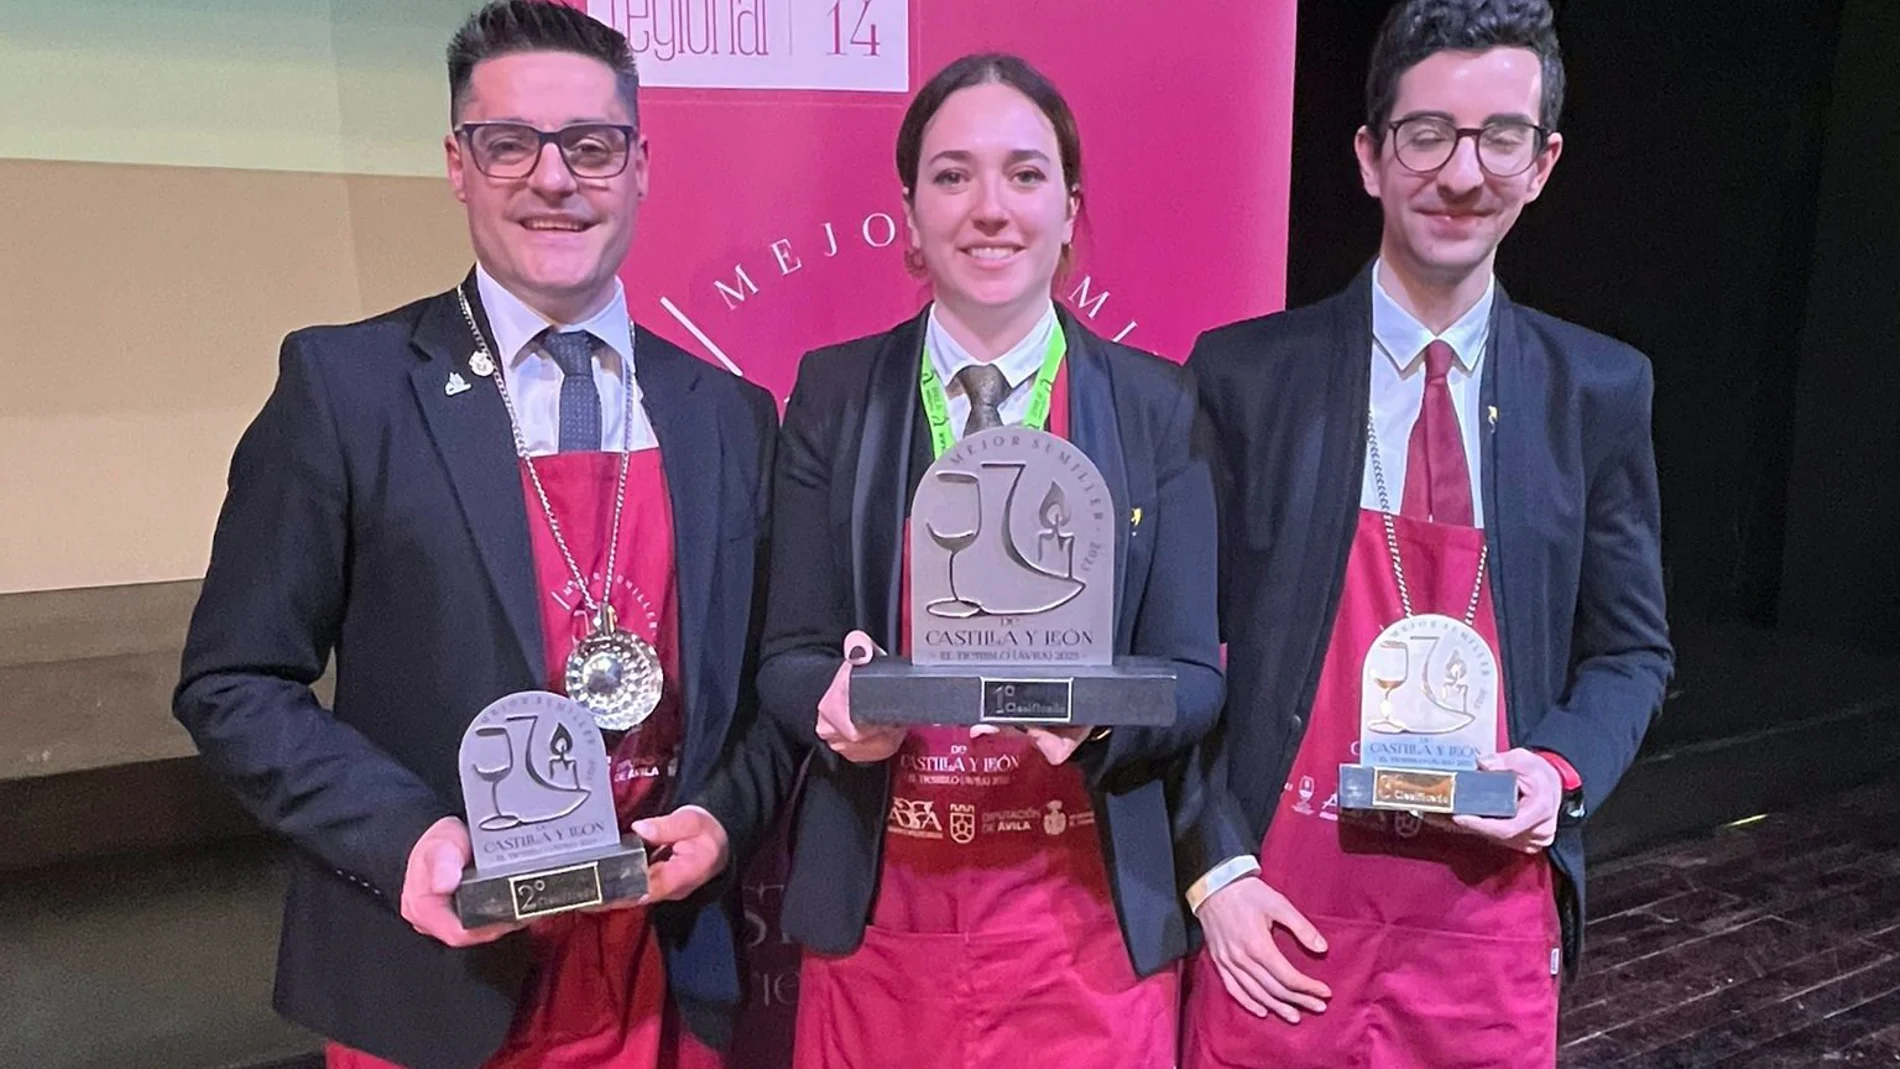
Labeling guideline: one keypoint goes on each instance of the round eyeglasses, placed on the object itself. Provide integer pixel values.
(1506, 147)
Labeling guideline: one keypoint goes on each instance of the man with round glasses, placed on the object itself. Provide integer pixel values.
(1438, 501)
(457, 499)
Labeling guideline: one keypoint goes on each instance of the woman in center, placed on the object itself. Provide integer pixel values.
(968, 896)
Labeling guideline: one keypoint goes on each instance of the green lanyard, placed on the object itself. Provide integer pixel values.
(937, 405)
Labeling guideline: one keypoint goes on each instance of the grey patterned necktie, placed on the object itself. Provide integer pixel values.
(986, 387)
(580, 399)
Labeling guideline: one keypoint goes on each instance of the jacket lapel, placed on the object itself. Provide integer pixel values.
(1344, 379)
(1349, 385)
(881, 491)
(692, 453)
(1503, 476)
(1095, 428)
(476, 445)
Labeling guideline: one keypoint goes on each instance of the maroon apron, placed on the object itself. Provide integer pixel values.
(595, 997)
(994, 940)
(1441, 946)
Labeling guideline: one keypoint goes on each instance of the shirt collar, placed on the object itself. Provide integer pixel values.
(516, 325)
(1020, 363)
(1403, 338)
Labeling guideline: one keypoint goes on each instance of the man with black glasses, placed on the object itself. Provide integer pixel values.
(451, 498)
(1440, 545)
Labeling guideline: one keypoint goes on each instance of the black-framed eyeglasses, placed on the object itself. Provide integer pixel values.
(513, 149)
(1506, 147)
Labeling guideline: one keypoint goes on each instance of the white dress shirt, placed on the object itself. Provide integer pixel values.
(1398, 387)
(534, 379)
(1018, 366)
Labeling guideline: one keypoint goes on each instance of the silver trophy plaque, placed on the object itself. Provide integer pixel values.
(1012, 598)
(1428, 710)
(541, 820)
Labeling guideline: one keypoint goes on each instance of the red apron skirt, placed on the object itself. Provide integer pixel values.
(1441, 946)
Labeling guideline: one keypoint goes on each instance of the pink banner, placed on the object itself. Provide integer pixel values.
(775, 220)
(775, 223)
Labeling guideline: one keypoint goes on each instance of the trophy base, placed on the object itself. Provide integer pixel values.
(1470, 792)
(1131, 692)
(553, 885)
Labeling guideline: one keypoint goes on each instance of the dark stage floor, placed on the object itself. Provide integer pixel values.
(1766, 944)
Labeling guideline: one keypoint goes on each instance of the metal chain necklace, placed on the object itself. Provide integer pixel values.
(1392, 538)
(614, 673)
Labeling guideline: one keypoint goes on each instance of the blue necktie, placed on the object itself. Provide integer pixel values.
(580, 398)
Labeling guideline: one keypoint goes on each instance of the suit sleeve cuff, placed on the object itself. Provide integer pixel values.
(1234, 868)
(718, 807)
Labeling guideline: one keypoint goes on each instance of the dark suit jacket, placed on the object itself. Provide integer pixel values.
(851, 453)
(372, 516)
(1571, 519)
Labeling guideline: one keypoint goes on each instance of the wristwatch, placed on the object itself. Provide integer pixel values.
(1571, 806)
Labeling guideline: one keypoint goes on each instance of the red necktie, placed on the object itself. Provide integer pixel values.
(1437, 479)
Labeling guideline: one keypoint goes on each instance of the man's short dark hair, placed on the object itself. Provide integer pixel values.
(1418, 29)
(506, 27)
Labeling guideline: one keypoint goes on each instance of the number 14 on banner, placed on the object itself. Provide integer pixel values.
(863, 32)
(766, 44)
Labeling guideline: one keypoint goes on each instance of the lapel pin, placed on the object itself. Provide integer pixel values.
(1491, 412)
(1134, 516)
(456, 384)
(481, 363)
